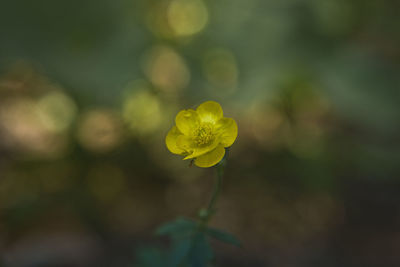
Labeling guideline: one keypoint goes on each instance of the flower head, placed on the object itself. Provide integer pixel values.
(202, 134)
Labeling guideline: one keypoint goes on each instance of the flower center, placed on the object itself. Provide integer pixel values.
(203, 135)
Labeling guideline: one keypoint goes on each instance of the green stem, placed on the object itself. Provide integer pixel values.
(217, 186)
(205, 215)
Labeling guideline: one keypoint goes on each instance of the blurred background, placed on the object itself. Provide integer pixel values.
(89, 89)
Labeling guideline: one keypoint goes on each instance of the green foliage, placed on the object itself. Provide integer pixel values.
(179, 228)
(179, 252)
(223, 236)
(200, 252)
(150, 257)
(190, 246)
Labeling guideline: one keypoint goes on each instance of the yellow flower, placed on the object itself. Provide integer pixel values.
(202, 134)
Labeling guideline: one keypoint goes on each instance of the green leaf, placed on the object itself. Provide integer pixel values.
(179, 228)
(190, 252)
(201, 252)
(179, 252)
(150, 257)
(223, 236)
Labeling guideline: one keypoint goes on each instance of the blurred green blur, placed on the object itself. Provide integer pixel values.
(89, 89)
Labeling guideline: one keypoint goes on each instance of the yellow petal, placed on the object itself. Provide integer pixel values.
(211, 158)
(228, 130)
(185, 143)
(187, 121)
(209, 111)
(171, 140)
(201, 150)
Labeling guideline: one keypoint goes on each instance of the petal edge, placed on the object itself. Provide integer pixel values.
(228, 130)
(186, 121)
(211, 158)
(170, 140)
(210, 111)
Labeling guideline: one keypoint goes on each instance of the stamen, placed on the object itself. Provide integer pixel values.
(203, 135)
